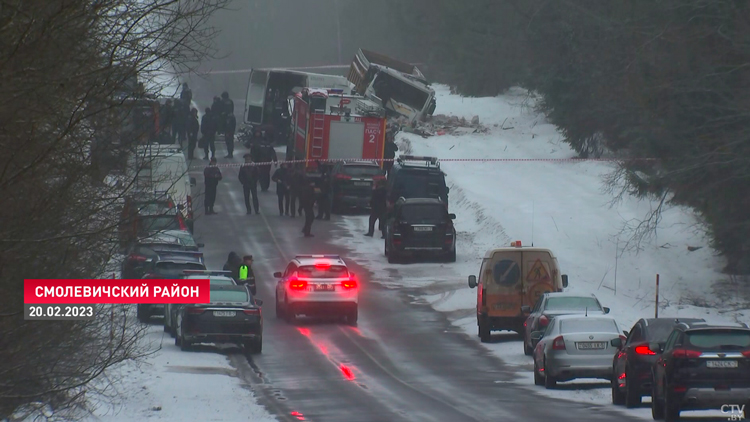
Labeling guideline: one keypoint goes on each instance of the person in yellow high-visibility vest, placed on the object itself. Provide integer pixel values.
(247, 276)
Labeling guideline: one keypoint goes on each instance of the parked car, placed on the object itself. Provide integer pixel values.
(575, 346)
(142, 251)
(351, 184)
(631, 367)
(216, 278)
(233, 316)
(420, 227)
(552, 304)
(168, 265)
(701, 367)
(416, 177)
(144, 215)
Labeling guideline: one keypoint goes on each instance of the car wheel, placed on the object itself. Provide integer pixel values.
(618, 398)
(549, 381)
(289, 315)
(451, 256)
(538, 378)
(385, 248)
(279, 310)
(527, 350)
(632, 392)
(392, 257)
(184, 344)
(671, 408)
(352, 316)
(143, 313)
(657, 406)
(254, 346)
(484, 331)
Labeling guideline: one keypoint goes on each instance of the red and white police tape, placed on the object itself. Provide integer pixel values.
(550, 160)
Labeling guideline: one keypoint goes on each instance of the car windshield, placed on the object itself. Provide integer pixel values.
(571, 303)
(423, 213)
(719, 339)
(420, 184)
(218, 296)
(588, 325)
(361, 171)
(336, 271)
(158, 223)
(659, 332)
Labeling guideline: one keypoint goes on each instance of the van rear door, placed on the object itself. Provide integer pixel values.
(504, 286)
(540, 272)
(256, 97)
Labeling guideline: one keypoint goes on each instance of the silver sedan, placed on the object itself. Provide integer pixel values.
(575, 346)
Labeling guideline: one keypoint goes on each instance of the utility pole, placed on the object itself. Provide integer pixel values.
(338, 28)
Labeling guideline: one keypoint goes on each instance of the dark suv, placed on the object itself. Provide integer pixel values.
(701, 367)
(416, 177)
(144, 215)
(351, 184)
(420, 226)
(139, 254)
(169, 265)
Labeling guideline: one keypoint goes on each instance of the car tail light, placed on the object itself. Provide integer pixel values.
(195, 310)
(679, 389)
(378, 177)
(644, 350)
(746, 353)
(252, 311)
(295, 284)
(136, 257)
(190, 207)
(343, 177)
(559, 343)
(322, 265)
(686, 353)
(543, 321)
(349, 284)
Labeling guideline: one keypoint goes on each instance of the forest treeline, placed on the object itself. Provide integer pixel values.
(664, 79)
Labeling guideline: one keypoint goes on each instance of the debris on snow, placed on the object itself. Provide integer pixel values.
(441, 124)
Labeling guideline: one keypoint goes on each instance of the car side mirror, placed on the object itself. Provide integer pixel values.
(452, 216)
(472, 281)
(606, 310)
(526, 309)
(565, 281)
(656, 347)
(537, 335)
(277, 274)
(201, 245)
(627, 333)
(616, 342)
(259, 302)
(447, 189)
(193, 181)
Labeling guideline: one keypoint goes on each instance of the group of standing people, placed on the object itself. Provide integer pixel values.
(176, 118)
(219, 119)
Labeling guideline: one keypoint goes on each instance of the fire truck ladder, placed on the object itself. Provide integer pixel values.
(319, 121)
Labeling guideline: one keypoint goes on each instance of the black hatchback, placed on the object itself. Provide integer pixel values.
(351, 184)
(420, 227)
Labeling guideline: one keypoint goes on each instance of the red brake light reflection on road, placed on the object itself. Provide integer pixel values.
(348, 374)
(644, 350)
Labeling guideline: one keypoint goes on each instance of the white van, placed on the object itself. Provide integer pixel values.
(163, 169)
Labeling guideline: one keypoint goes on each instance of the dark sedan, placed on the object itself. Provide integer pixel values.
(631, 368)
(233, 316)
(351, 184)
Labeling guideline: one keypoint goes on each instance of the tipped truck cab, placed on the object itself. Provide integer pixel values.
(512, 278)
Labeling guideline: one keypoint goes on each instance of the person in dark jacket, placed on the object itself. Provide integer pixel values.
(265, 154)
(296, 183)
(227, 105)
(307, 202)
(281, 177)
(324, 197)
(212, 176)
(166, 118)
(231, 127)
(233, 264)
(179, 124)
(377, 208)
(389, 153)
(186, 96)
(208, 129)
(249, 178)
(218, 109)
(193, 128)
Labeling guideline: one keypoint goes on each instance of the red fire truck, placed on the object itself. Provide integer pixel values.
(329, 125)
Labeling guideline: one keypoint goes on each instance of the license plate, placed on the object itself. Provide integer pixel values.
(422, 229)
(324, 287)
(224, 313)
(721, 364)
(361, 183)
(594, 345)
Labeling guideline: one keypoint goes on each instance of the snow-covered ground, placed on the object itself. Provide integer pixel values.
(561, 205)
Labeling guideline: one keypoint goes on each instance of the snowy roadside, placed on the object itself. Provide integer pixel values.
(556, 205)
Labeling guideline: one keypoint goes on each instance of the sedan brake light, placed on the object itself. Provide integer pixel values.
(349, 284)
(644, 350)
(296, 284)
(343, 177)
(136, 257)
(252, 311)
(746, 353)
(195, 310)
(686, 354)
(378, 177)
(558, 343)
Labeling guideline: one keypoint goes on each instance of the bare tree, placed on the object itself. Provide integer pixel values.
(67, 73)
